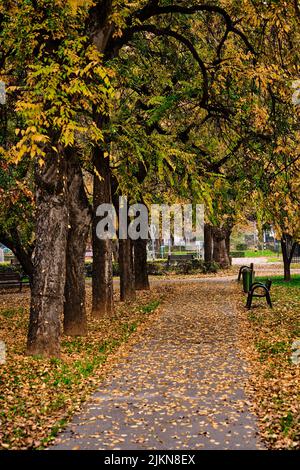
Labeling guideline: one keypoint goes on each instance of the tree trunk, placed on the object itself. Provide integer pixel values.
(115, 250)
(208, 243)
(23, 253)
(75, 322)
(227, 243)
(49, 259)
(127, 283)
(288, 248)
(140, 264)
(220, 254)
(102, 277)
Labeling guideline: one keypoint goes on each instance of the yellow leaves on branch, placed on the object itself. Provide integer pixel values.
(60, 96)
(75, 4)
(31, 144)
(282, 206)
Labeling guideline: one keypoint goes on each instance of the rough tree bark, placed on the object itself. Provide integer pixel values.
(115, 250)
(220, 254)
(140, 264)
(80, 217)
(49, 260)
(288, 247)
(102, 277)
(227, 243)
(127, 283)
(208, 243)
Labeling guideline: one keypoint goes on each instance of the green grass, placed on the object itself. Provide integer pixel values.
(286, 423)
(267, 349)
(279, 281)
(151, 307)
(272, 332)
(261, 253)
(11, 312)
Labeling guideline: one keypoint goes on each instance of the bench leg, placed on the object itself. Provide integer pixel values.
(268, 297)
(249, 300)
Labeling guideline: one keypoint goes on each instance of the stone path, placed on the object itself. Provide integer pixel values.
(180, 387)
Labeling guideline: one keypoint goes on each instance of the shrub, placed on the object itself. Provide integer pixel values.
(237, 254)
(7, 268)
(241, 246)
(156, 268)
(196, 266)
(211, 267)
(160, 267)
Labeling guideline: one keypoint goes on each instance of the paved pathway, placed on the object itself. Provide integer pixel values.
(247, 261)
(180, 387)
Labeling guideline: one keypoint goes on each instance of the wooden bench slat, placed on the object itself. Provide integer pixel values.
(186, 257)
(11, 279)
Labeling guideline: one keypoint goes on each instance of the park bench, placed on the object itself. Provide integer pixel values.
(11, 279)
(173, 259)
(259, 289)
(244, 268)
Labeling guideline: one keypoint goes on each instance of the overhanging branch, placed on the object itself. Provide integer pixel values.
(179, 37)
(152, 9)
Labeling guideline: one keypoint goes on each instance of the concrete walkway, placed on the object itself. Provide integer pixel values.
(180, 386)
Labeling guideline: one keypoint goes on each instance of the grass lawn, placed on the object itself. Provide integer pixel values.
(279, 281)
(275, 379)
(262, 253)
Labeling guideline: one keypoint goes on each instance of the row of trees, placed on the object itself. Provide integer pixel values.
(154, 100)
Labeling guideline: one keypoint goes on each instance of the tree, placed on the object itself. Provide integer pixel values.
(80, 216)
(66, 96)
(281, 209)
(62, 86)
(102, 249)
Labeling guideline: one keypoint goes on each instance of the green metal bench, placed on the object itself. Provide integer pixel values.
(264, 292)
(243, 268)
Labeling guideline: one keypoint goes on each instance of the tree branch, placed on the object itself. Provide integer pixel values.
(179, 37)
(153, 9)
(22, 253)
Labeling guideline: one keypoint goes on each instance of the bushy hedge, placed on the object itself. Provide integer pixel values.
(194, 266)
(241, 247)
(237, 254)
(160, 267)
(8, 267)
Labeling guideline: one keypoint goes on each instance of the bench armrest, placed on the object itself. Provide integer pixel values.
(257, 284)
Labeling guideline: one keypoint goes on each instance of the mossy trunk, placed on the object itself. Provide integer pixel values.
(140, 264)
(288, 247)
(127, 282)
(220, 254)
(75, 322)
(102, 277)
(208, 243)
(49, 259)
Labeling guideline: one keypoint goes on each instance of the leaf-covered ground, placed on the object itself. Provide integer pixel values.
(267, 336)
(38, 396)
(177, 382)
(179, 387)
